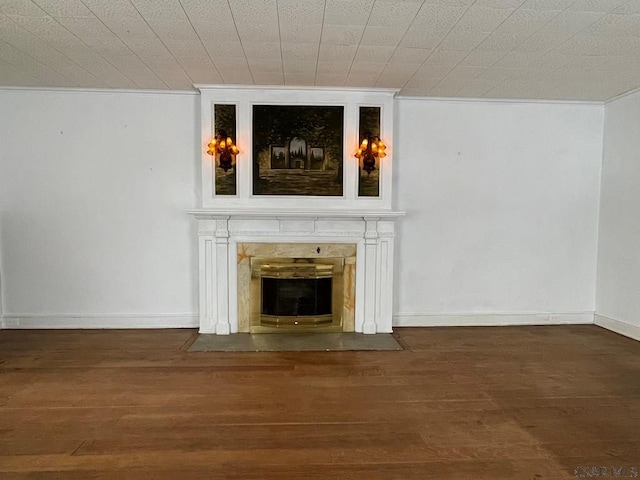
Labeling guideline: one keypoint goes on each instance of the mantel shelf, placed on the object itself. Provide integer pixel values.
(203, 213)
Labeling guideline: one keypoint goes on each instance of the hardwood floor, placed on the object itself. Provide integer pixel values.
(459, 403)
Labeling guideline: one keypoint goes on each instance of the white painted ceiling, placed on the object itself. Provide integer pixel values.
(536, 49)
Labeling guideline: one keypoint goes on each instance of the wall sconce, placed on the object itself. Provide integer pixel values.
(222, 145)
(372, 147)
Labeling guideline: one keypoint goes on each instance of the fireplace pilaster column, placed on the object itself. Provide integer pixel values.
(371, 283)
(378, 275)
(222, 273)
(206, 252)
(384, 292)
(213, 275)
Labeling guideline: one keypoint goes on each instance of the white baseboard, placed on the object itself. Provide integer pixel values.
(490, 320)
(126, 321)
(100, 321)
(623, 328)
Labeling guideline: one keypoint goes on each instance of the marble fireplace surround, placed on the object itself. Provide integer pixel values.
(228, 238)
(343, 284)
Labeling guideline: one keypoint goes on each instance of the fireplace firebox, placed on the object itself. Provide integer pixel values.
(297, 294)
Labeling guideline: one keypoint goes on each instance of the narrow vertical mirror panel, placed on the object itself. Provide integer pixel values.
(225, 171)
(368, 128)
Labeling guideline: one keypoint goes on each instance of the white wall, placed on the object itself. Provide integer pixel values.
(502, 202)
(618, 292)
(94, 189)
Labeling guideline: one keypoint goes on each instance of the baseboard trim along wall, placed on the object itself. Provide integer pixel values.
(168, 320)
(490, 320)
(623, 328)
(401, 320)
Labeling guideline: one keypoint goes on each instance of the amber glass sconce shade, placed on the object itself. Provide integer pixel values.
(223, 146)
(371, 148)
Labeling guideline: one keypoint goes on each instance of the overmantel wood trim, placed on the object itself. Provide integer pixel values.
(246, 97)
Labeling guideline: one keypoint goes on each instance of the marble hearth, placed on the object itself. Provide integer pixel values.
(228, 239)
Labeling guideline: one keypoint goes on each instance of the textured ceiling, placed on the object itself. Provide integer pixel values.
(537, 49)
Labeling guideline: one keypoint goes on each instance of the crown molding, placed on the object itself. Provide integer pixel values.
(622, 95)
(201, 87)
(498, 100)
(101, 90)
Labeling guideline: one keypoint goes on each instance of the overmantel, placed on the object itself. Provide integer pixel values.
(248, 173)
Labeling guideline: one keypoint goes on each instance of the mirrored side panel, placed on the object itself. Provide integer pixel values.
(224, 125)
(368, 176)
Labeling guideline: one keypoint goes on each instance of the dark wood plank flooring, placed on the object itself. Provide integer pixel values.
(458, 403)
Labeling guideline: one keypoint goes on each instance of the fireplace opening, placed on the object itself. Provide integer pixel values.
(298, 294)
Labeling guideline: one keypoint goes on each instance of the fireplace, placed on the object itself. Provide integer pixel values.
(229, 240)
(264, 253)
(297, 295)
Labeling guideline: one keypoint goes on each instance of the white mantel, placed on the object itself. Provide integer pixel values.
(220, 232)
